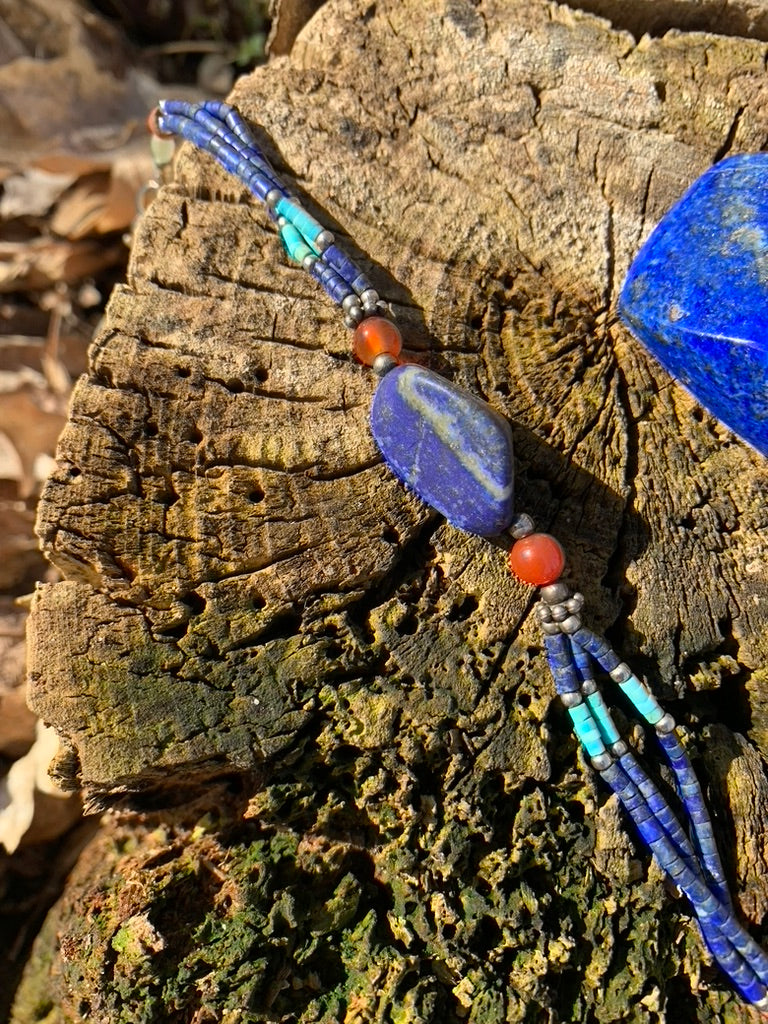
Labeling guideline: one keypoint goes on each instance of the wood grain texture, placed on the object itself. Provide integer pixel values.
(252, 604)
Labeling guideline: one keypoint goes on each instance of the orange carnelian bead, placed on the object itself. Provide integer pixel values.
(376, 336)
(537, 559)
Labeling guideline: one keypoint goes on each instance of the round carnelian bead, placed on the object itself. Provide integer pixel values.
(537, 559)
(376, 336)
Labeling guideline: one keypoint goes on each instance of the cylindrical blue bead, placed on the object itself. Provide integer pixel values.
(231, 118)
(599, 648)
(259, 184)
(560, 661)
(362, 283)
(582, 660)
(344, 266)
(336, 288)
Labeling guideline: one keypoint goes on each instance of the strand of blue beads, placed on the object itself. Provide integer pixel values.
(697, 871)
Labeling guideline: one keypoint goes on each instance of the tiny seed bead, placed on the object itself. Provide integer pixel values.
(376, 336)
(537, 559)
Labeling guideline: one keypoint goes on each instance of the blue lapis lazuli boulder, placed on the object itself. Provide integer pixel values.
(697, 294)
(448, 446)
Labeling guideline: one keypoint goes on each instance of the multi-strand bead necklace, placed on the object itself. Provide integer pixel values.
(455, 453)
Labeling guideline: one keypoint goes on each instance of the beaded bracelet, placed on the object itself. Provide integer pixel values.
(455, 453)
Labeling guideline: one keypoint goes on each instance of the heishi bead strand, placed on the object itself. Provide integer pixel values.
(455, 453)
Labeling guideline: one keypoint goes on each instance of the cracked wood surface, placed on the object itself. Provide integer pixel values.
(248, 593)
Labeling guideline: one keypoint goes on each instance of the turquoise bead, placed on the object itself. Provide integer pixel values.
(448, 446)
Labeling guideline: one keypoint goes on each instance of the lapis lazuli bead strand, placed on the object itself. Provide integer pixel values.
(647, 794)
(219, 131)
(693, 865)
(688, 785)
(713, 918)
(690, 789)
(228, 116)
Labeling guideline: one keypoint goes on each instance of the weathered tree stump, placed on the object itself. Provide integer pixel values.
(354, 798)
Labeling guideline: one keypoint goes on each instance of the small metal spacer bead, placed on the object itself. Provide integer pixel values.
(601, 761)
(571, 625)
(353, 318)
(619, 748)
(575, 603)
(324, 239)
(370, 300)
(383, 363)
(521, 526)
(550, 628)
(350, 302)
(554, 593)
(761, 1004)
(309, 261)
(543, 612)
(588, 687)
(621, 673)
(559, 612)
(272, 198)
(571, 699)
(666, 724)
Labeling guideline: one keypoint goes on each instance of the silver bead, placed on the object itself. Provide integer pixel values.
(353, 317)
(619, 748)
(281, 222)
(550, 628)
(666, 724)
(621, 673)
(571, 625)
(383, 363)
(571, 699)
(588, 687)
(543, 612)
(575, 603)
(601, 761)
(324, 239)
(559, 612)
(370, 300)
(350, 301)
(272, 198)
(309, 261)
(521, 526)
(554, 592)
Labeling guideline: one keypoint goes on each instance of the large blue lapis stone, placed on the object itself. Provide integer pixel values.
(697, 294)
(448, 446)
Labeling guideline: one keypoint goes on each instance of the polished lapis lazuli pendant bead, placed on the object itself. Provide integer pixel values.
(697, 294)
(448, 446)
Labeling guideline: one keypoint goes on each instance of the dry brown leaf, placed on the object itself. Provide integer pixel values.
(17, 723)
(32, 809)
(41, 263)
(31, 193)
(31, 418)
